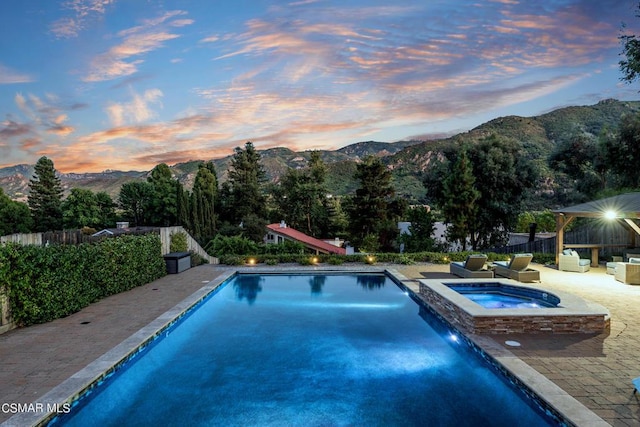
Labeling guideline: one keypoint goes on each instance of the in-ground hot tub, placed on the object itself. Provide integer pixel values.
(500, 295)
(568, 313)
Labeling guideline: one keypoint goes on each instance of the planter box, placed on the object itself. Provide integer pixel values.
(177, 262)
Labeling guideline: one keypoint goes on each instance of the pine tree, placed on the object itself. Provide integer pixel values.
(246, 179)
(374, 210)
(45, 197)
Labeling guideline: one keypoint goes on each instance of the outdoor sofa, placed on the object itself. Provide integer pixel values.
(517, 268)
(628, 272)
(473, 267)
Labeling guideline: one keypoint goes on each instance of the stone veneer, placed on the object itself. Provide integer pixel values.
(573, 316)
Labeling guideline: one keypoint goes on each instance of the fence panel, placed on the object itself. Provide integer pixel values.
(609, 234)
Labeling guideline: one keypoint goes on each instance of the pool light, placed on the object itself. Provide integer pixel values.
(453, 337)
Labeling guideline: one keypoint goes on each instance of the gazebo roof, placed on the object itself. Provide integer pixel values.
(624, 205)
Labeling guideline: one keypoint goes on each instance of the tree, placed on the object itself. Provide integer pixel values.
(133, 199)
(80, 209)
(579, 162)
(421, 231)
(301, 197)
(204, 197)
(630, 65)
(460, 198)
(502, 176)
(106, 207)
(374, 210)
(45, 197)
(163, 202)
(622, 153)
(14, 216)
(242, 193)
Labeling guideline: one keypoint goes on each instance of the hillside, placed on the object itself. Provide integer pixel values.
(408, 160)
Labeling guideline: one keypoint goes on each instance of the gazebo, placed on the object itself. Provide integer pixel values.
(624, 208)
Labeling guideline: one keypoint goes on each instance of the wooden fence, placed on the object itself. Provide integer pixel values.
(192, 244)
(606, 235)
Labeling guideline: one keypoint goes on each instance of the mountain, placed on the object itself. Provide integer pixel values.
(408, 160)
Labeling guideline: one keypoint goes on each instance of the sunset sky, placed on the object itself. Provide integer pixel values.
(128, 84)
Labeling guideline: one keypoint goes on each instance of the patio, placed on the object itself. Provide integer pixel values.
(595, 369)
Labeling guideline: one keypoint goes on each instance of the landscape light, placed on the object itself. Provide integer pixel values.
(252, 261)
(314, 260)
(610, 215)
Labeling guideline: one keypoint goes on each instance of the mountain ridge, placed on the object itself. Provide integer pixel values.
(407, 160)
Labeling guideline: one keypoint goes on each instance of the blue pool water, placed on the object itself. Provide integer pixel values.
(497, 295)
(322, 350)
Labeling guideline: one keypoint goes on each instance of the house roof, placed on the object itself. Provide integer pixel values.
(624, 205)
(305, 239)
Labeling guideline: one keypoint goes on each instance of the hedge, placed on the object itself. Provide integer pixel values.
(393, 258)
(46, 283)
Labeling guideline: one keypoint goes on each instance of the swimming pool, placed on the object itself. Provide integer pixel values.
(307, 350)
(500, 295)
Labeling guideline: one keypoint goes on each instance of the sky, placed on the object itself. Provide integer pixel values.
(127, 84)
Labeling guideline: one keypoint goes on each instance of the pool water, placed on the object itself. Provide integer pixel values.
(297, 350)
(498, 295)
(498, 300)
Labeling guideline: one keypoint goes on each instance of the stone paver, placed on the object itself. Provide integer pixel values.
(594, 369)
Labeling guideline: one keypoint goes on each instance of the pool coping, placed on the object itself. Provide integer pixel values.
(570, 409)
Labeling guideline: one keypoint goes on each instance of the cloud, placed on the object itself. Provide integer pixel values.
(119, 60)
(136, 111)
(83, 13)
(41, 115)
(9, 76)
(10, 129)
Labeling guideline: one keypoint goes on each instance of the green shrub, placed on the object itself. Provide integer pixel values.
(232, 259)
(305, 260)
(197, 259)
(335, 260)
(231, 245)
(178, 242)
(46, 283)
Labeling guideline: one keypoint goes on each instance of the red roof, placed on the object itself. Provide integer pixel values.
(307, 240)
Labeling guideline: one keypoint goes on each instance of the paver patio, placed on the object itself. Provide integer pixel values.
(596, 370)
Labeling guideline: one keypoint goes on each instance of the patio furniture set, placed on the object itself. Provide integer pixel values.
(517, 268)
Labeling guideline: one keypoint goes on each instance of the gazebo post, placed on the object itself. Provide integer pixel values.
(561, 222)
(634, 230)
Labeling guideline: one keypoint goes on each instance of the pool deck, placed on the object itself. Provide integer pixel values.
(596, 370)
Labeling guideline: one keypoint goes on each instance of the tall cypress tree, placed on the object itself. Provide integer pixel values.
(45, 197)
(203, 199)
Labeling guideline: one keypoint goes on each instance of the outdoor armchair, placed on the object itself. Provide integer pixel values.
(570, 260)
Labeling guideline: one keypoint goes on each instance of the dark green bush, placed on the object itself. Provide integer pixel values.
(46, 283)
